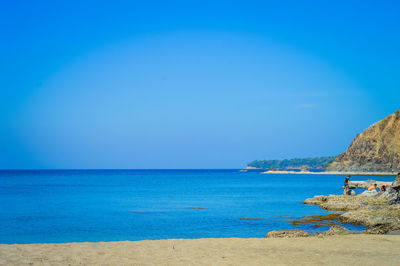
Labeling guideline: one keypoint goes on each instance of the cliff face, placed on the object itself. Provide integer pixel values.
(375, 149)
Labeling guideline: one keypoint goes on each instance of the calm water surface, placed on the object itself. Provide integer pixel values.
(96, 205)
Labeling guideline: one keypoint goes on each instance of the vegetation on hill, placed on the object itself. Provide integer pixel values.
(316, 162)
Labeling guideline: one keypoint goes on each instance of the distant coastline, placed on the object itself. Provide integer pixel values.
(330, 173)
(295, 163)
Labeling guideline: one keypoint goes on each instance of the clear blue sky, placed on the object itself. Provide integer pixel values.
(191, 84)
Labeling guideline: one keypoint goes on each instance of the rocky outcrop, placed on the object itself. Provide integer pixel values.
(336, 230)
(379, 212)
(394, 191)
(288, 233)
(375, 149)
(374, 212)
(333, 230)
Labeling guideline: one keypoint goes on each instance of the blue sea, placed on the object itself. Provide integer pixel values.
(57, 206)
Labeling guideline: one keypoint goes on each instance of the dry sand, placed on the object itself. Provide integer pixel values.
(333, 250)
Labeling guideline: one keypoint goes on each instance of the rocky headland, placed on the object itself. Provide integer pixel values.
(377, 149)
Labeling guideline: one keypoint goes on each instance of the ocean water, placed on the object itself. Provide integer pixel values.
(59, 206)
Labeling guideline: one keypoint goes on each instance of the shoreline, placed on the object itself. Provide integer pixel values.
(329, 250)
(336, 246)
(330, 173)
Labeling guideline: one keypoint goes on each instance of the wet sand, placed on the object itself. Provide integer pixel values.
(331, 250)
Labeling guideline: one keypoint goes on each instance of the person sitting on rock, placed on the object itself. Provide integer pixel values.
(346, 185)
(372, 187)
(383, 188)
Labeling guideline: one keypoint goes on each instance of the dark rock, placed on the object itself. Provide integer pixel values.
(395, 201)
(376, 230)
(396, 183)
(315, 220)
(394, 191)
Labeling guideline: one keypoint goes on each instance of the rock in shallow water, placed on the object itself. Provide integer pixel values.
(288, 233)
(316, 200)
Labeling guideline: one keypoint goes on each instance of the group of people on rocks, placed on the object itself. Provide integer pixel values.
(373, 187)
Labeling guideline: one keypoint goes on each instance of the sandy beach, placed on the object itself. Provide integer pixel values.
(329, 250)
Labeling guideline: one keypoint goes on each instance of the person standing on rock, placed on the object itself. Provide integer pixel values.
(346, 185)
